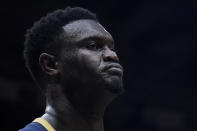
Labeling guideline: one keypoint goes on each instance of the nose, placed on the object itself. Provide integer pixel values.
(110, 56)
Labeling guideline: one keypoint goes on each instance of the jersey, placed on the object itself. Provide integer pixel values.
(38, 124)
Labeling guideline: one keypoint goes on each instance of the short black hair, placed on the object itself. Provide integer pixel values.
(43, 34)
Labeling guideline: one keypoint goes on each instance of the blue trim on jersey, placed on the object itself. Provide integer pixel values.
(34, 126)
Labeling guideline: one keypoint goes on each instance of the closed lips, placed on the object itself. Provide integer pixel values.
(113, 69)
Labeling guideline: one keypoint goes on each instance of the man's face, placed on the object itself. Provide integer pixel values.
(88, 57)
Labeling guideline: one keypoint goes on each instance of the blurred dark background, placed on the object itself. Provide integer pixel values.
(156, 43)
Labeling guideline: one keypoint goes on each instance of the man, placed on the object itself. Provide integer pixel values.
(71, 57)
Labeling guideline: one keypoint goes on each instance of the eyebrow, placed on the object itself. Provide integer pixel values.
(102, 40)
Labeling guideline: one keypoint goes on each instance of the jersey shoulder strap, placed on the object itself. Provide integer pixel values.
(44, 123)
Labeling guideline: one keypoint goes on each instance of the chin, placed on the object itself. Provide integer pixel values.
(114, 84)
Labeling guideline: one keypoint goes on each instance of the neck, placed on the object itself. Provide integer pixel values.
(71, 120)
(74, 114)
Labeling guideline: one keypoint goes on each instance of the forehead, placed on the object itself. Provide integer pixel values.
(83, 29)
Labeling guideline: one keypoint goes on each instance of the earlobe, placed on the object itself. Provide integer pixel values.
(48, 64)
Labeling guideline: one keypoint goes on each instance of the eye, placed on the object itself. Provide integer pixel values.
(113, 49)
(93, 46)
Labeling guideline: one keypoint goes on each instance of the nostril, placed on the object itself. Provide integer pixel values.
(107, 58)
(111, 58)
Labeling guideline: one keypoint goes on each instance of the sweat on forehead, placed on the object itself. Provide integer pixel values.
(82, 29)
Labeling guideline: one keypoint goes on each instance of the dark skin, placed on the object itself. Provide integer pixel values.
(83, 79)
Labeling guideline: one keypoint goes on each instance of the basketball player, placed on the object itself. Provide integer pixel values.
(71, 57)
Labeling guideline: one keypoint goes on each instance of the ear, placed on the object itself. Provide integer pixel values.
(48, 64)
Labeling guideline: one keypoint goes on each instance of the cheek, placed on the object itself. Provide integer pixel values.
(82, 66)
(71, 66)
(90, 60)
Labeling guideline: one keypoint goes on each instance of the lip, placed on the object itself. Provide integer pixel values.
(113, 69)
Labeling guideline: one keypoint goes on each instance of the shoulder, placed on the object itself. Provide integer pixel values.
(34, 126)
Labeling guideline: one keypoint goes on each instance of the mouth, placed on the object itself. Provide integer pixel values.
(113, 69)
